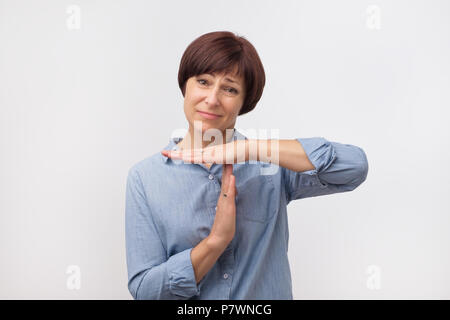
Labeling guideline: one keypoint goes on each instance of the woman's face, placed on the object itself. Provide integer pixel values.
(218, 94)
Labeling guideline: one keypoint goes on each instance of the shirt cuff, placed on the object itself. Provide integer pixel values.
(319, 151)
(181, 275)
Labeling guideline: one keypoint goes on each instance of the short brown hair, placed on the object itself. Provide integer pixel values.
(221, 51)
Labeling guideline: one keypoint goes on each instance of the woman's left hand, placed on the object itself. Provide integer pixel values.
(232, 152)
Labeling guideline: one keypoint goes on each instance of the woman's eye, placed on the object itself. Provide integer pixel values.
(232, 90)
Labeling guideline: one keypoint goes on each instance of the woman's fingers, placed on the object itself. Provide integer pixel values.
(230, 183)
(231, 187)
(187, 156)
(225, 177)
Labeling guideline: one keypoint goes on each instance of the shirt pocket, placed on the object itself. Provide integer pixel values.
(255, 200)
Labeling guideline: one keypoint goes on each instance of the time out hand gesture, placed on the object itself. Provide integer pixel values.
(232, 152)
(224, 227)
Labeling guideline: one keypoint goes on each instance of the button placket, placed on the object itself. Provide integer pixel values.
(227, 263)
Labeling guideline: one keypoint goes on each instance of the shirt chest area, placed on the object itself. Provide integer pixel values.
(185, 202)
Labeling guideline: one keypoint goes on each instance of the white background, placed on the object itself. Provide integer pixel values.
(79, 106)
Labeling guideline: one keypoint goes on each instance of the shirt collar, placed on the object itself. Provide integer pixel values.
(173, 142)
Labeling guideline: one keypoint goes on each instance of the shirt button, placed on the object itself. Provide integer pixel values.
(211, 177)
(225, 275)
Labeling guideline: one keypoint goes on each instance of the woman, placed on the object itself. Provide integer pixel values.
(204, 222)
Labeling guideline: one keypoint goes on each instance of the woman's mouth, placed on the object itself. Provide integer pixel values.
(208, 115)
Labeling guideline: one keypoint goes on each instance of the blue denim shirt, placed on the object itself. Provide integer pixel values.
(170, 208)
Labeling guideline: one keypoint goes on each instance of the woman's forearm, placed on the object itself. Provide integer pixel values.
(285, 153)
(204, 255)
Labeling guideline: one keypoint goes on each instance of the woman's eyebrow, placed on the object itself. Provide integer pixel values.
(228, 79)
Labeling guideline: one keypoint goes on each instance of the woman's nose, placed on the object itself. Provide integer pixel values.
(212, 97)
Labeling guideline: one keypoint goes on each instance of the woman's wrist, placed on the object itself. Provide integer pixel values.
(258, 150)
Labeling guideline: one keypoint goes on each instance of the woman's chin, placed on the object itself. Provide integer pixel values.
(206, 125)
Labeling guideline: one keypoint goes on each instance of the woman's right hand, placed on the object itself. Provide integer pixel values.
(224, 227)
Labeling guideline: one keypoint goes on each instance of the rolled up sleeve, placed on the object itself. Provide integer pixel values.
(338, 168)
(181, 275)
(151, 274)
